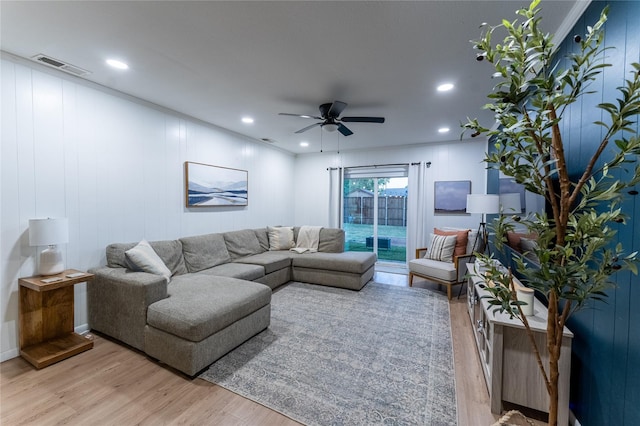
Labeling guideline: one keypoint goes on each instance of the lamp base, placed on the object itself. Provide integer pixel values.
(51, 262)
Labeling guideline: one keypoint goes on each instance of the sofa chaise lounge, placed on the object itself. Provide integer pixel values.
(218, 294)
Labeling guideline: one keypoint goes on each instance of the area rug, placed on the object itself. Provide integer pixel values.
(382, 355)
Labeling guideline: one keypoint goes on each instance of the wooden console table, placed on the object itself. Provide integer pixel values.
(508, 363)
(46, 318)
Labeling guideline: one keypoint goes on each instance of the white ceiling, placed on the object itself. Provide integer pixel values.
(219, 61)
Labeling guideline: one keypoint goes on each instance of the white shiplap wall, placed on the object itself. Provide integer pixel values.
(114, 167)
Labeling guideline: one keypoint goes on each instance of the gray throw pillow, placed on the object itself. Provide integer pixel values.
(143, 257)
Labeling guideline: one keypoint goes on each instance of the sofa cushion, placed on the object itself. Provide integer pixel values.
(351, 261)
(236, 270)
(263, 238)
(513, 239)
(204, 251)
(281, 237)
(444, 271)
(528, 247)
(242, 243)
(331, 240)
(169, 251)
(200, 305)
(271, 260)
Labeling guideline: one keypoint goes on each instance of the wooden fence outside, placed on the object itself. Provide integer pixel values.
(392, 211)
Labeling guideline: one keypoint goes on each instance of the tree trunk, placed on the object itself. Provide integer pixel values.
(553, 391)
(554, 345)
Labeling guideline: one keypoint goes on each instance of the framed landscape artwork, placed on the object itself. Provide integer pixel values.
(450, 197)
(510, 186)
(208, 186)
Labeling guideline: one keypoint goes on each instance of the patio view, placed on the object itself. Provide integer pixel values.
(375, 217)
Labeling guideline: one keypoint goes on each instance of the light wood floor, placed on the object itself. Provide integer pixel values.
(113, 384)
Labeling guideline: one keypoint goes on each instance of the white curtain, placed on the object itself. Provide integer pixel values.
(335, 197)
(417, 233)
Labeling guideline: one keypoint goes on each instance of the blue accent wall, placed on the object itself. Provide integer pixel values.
(605, 376)
(605, 382)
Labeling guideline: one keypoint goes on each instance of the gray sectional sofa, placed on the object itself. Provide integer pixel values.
(219, 293)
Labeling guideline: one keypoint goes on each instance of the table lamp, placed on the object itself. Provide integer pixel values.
(484, 204)
(49, 232)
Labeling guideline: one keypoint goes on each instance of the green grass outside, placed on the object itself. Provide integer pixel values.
(360, 232)
(356, 240)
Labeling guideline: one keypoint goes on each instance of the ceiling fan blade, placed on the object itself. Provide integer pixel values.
(336, 109)
(300, 115)
(362, 119)
(309, 127)
(344, 130)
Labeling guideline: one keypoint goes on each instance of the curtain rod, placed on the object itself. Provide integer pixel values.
(428, 163)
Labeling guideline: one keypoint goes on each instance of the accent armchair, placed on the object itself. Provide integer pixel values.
(443, 264)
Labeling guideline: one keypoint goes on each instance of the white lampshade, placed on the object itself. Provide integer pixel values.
(483, 203)
(510, 203)
(49, 232)
(330, 127)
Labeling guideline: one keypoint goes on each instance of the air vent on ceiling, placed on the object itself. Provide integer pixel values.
(58, 64)
(267, 140)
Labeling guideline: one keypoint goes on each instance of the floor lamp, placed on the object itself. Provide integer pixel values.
(484, 204)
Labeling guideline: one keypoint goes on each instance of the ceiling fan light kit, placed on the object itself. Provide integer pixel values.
(329, 114)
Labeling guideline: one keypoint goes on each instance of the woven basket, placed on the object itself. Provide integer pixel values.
(514, 418)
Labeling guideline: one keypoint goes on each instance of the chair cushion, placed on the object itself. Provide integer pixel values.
(445, 271)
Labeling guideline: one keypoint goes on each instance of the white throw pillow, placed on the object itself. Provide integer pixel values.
(144, 257)
(280, 238)
(441, 248)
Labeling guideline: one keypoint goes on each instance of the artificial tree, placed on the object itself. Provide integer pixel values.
(575, 240)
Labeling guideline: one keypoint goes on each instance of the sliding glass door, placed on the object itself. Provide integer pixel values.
(375, 211)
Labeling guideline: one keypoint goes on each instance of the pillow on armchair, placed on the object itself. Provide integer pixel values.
(462, 239)
(441, 248)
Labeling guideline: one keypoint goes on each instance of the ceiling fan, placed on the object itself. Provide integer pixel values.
(329, 114)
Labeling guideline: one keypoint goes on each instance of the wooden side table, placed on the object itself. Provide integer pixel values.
(46, 318)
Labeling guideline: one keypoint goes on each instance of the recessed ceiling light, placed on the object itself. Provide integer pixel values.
(304, 144)
(443, 130)
(247, 120)
(117, 64)
(445, 87)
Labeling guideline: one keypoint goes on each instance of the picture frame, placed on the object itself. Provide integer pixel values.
(510, 186)
(450, 196)
(213, 186)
